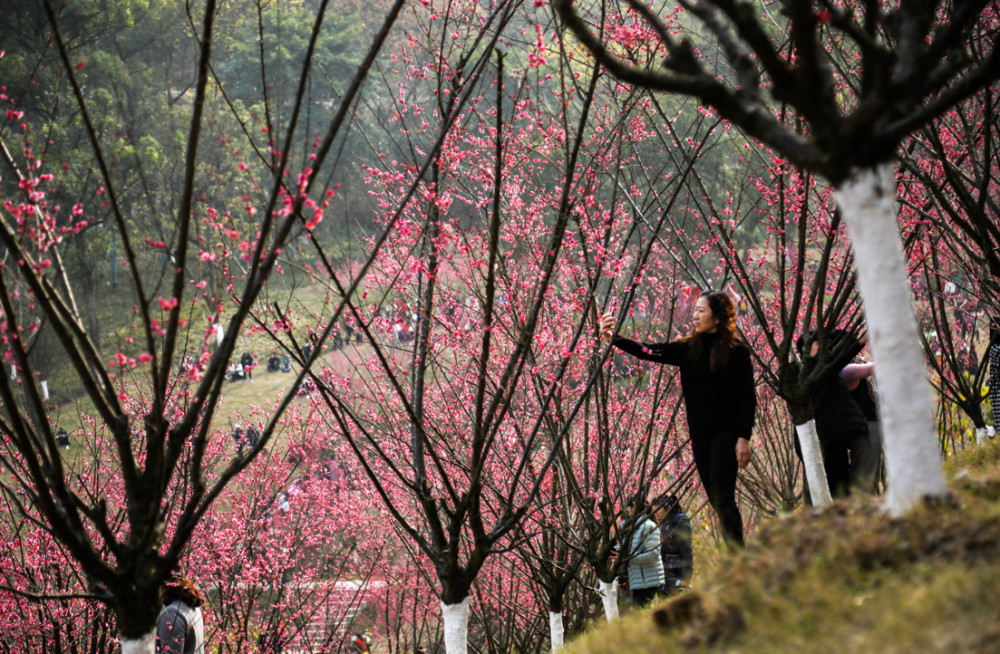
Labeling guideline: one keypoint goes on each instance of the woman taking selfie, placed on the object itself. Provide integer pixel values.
(718, 387)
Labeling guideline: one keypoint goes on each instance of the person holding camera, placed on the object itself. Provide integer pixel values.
(718, 388)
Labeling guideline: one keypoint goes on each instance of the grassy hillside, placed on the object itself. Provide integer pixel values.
(847, 579)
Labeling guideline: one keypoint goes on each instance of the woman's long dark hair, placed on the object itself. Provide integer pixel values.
(724, 311)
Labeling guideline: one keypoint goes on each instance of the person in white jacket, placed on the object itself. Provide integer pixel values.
(645, 567)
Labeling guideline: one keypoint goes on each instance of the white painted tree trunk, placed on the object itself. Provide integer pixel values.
(456, 627)
(912, 456)
(608, 590)
(556, 631)
(144, 645)
(812, 461)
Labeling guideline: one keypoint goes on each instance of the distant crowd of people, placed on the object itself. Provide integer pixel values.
(242, 370)
(248, 437)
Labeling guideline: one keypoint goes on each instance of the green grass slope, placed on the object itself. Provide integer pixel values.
(847, 579)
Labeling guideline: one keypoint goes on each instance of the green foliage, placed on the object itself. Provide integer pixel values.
(281, 40)
(137, 83)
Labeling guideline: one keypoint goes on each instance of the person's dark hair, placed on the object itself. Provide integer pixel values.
(803, 340)
(670, 502)
(646, 506)
(183, 589)
(834, 340)
(724, 311)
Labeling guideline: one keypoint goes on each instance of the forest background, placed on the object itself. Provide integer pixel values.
(439, 199)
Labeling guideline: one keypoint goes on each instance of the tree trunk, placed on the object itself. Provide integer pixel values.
(456, 627)
(812, 461)
(556, 630)
(143, 645)
(913, 460)
(608, 591)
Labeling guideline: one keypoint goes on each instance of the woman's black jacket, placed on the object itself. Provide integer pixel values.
(720, 401)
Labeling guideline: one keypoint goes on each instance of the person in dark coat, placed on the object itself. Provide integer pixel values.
(239, 437)
(718, 388)
(840, 424)
(253, 434)
(62, 438)
(867, 466)
(676, 551)
(247, 362)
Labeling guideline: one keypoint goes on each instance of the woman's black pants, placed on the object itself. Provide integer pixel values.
(715, 459)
